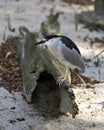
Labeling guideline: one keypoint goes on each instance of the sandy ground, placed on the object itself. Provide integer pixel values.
(15, 112)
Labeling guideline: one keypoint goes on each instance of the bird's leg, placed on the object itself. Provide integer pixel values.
(69, 75)
(62, 78)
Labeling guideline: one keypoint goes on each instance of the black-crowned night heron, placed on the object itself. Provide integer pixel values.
(65, 50)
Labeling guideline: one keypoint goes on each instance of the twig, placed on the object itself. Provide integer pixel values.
(80, 78)
(4, 34)
(98, 54)
(9, 24)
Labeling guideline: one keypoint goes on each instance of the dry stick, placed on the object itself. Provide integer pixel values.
(9, 24)
(80, 78)
(4, 33)
(98, 54)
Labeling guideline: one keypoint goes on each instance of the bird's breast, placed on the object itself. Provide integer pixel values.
(53, 46)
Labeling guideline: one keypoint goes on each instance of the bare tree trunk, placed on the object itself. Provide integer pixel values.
(39, 71)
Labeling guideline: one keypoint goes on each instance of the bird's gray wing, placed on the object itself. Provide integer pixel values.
(73, 57)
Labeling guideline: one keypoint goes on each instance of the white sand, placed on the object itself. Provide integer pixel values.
(31, 13)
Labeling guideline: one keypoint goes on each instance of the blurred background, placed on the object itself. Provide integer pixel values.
(80, 20)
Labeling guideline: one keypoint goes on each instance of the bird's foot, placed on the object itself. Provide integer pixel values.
(60, 80)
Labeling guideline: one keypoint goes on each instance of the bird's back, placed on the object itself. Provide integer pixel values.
(69, 43)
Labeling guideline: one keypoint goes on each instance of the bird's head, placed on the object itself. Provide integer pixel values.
(47, 38)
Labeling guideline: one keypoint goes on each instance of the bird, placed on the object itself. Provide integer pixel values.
(66, 52)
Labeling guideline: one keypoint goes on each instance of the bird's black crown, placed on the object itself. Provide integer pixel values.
(48, 37)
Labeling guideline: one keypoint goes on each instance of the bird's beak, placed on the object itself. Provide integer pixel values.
(41, 42)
